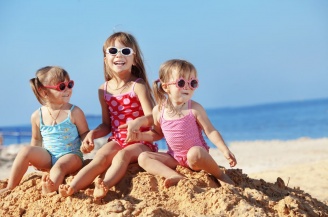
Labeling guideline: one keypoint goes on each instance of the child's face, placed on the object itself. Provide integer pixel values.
(118, 62)
(179, 95)
(58, 97)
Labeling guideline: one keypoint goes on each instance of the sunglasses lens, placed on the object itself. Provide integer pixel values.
(126, 51)
(112, 50)
(62, 86)
(70, 84)
(194, 83)
(181, 83)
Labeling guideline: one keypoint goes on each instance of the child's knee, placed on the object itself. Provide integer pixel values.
(142, 158)
(195, 155)
(25, 151)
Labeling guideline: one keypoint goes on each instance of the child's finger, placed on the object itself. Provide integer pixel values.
(123, 126)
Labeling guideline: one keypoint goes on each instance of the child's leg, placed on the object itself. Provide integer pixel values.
(87, 174)
(161, 164)
(34, 155)
(199, 159)
(118, 168)
(66, 164)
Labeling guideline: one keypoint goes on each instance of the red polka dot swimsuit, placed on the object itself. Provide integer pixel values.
(124, 108)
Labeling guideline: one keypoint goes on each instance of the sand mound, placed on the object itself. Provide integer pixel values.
(142, 194)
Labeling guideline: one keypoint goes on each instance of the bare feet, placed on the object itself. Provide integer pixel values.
(47, 185)
(173, 180)
(65, 190)
(100, 189)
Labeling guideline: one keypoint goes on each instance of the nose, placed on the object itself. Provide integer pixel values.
(119, 52)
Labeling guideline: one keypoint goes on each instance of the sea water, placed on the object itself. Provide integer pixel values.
(279, 121)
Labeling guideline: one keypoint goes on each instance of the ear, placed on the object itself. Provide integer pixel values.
(43, 93)
(165, 87)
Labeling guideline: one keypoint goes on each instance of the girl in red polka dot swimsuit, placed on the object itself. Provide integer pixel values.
(125, 96)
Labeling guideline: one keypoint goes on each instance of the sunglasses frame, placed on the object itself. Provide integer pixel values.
(186, 82)
(120, 50)
(57, 87)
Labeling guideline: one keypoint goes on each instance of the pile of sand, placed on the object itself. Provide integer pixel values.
(142, 194)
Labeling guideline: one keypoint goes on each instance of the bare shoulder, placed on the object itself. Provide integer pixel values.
(156, 113)
(197, 109)
(35, 115)
(196, 106)
(77, 113)
(102, 86)
(140, 84)
(156, 109)
(35, 118)
(77, 109)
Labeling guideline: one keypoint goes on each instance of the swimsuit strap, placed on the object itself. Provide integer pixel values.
(71, 109)
(40, 113)
(189, 106)
(135, 83)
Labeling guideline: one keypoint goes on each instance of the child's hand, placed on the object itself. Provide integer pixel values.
(87, 145)
(231, 158)
(133, 133)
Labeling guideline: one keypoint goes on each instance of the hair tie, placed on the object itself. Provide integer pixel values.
(158, 80)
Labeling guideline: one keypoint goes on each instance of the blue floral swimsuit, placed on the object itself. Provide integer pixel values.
(61, 139)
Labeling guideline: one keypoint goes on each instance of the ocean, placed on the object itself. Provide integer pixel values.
(275, 121)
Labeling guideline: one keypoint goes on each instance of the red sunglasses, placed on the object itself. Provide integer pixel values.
(62, 85)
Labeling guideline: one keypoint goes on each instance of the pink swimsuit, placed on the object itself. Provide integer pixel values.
(182, 134)
(124, 108)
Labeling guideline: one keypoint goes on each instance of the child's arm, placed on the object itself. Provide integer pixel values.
(102, 130)
(36, 138)
(151, 135)
(135, 125)
(78, 118)
(144, 97)
(213, 135)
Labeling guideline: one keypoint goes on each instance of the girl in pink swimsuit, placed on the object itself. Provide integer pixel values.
(125, 96)
(181, 121)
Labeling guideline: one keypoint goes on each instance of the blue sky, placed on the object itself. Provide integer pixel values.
(246, 52)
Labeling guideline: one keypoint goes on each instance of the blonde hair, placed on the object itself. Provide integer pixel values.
(183, 67)
(138, 68)
(48, 75)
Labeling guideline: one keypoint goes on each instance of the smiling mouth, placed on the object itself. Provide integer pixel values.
(119, 63)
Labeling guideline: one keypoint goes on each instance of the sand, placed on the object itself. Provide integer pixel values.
(273, 178)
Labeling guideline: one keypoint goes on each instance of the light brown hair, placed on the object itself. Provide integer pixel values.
(48, 75)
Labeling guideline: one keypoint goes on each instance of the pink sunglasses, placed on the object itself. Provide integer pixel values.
(181, 83)
(62, 85)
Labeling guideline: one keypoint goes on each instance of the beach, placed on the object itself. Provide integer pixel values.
(273, 178)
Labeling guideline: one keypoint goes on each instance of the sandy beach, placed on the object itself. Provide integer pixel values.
(301, 164)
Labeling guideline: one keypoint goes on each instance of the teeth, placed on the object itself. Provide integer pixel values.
(119, 63)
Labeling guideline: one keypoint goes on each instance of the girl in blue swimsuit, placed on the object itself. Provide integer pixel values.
(57, 130)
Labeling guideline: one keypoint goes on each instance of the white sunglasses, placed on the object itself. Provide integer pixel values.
(126, 51)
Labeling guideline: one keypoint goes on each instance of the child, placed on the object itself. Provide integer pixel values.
(57, 130)
(124, 96)
(181, 120)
